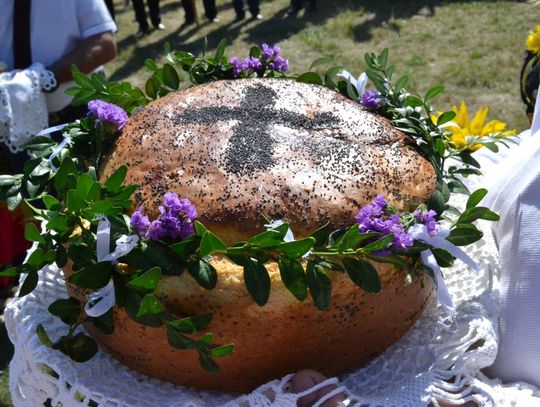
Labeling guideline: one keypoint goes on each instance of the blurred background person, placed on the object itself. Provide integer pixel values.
(253, 6)
(140, 16)
(56, 34)
(297, 5)
(190, 9)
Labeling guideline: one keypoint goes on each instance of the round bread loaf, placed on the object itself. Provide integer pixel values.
(247, 148)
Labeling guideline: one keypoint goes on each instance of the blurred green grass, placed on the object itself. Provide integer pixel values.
(473, 48)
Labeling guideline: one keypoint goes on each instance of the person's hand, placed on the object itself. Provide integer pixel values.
(304, 380)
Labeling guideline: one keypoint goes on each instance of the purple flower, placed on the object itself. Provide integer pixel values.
(373, 217)
(108, 113)
(236, 66)
(370, 100)
(267, 51)
(253, 63)
(140, 222)
(279, 64)
(427, 219)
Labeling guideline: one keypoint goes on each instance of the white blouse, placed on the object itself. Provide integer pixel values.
(57, 26)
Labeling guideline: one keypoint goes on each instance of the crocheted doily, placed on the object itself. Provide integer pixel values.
(437, 360)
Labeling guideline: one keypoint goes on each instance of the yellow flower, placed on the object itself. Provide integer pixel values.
(533, 41)
(461, 127)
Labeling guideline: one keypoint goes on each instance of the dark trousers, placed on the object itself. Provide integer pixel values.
(210, 10)
(297, 5)
(252, 4)
(140, 13)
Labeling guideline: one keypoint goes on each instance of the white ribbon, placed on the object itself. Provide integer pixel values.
(359, 84)
(420, 232)
(66, 141)
(104, 299)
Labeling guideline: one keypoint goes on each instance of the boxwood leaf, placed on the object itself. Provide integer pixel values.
(210, 243)
(297, 248)
(380, 244)
(192, 324)
(93, 276)
(30, 282)
(363, 274)
(221, 351)
(463, 235)
(320, 286)
(150, 305)
(114, 182)
(32, 234)
(203, 272)
(293, 276)
(207, 363)
(67, 310)
(148, 281)
(476, 197)
(257, 281)
(79, 348)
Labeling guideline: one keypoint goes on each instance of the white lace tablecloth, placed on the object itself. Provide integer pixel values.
(437, 360)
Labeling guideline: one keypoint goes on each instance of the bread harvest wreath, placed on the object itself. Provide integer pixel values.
(299, 217)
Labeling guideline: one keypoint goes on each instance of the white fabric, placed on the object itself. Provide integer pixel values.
(437, 359)
(23, 110)
(57, 26)
(516, 197)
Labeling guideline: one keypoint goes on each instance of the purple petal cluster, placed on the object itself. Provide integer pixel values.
(374, 217)
(108, 113)
(427, 219)
(370, 100)
(175, 220)
(270, 57)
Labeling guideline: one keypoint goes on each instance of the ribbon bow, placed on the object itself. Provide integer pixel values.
(420, 232)
(359, 84)
(104, 299)
(66, 141)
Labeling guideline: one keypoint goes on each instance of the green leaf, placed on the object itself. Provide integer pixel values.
(74, 202)
(464, 235)
(84, 183)
(37, 258)
(203, 272)
(257, 281)
(210, 244)
(170, 77)
(353, 238)
(60, 180)
(363, 274)
(293, 277)
(81, 255)
(60, 257)
(43, 337)
(297, 248)
(32, 234)
(321, 61)
(80, 348)
(114, 182)
(10, 272)
(150, 305)
(430, 94)
(220, 50)
(476, 197)
(320, 286)
(310, 77)
(8, 180)
(437, 202)
(221, 351)
(321, 235)
(150, 64)
(192, 324)
(68, 310)
(401, 83)
(200, 229)
(207, 363)
(58, 223)
(184, 248)
(474, 213)
(51, 203)
(444, 258)
(14, 201)
(445, 118)
(147, 282)
(30, 282)
(380, 244)
(178, 341)
(93, 276)
(105, 322)
(269, 238)
(151, 88)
